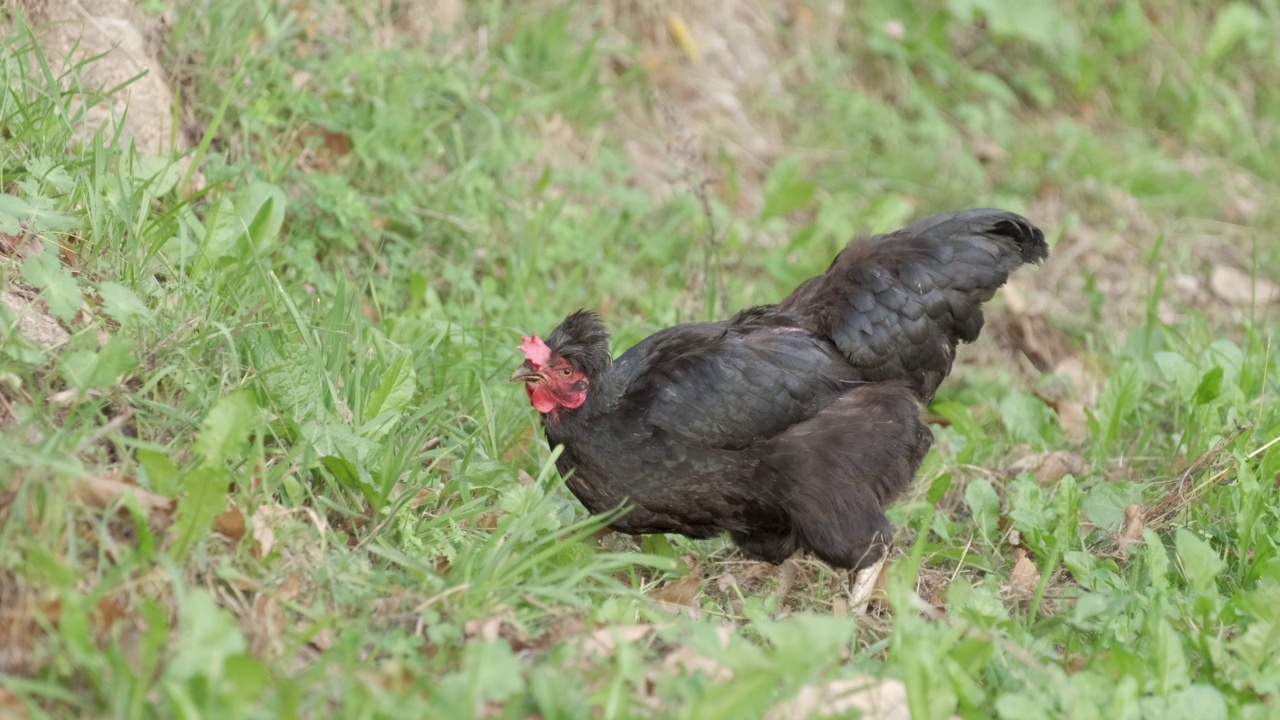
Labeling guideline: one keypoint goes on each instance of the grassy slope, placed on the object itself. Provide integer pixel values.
(318, 343)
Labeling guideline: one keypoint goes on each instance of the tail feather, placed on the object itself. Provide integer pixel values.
(897, 305)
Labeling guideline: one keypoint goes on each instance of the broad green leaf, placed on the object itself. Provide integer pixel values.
(77, 368)
(247, 224)
(807, 640)
(262, 206)
(1025, 417)
(395, 388)
(161, 173)
(60, 291)
(1119, 399)
(9, 224)
(1015, 706)
(226, 428)
(1178, 370)
(114, 360)
(38, 212)
(330, 436)
(657, 544)
(1104, 504)
(1210, 387)
(204, 496)
(1157, 557)
(962, 421)
(1197, 702)
(209, 637)
(494, 671)
(1200, 562)
(1258, 646)
(162, 473)
(294, 388)
(984, 503)
(121, 303)
(1227, 355)
(14, 205)
(224, 228)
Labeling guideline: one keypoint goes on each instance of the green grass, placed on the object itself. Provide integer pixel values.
(316, 346)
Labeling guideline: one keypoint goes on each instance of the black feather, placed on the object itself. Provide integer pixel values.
(582, 340)
(790, 426)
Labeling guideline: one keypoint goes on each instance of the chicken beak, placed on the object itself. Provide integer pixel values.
(524, 373)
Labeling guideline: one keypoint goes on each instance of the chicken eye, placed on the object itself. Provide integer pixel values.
(567, 372)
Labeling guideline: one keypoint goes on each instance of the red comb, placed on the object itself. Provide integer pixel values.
(535, 351)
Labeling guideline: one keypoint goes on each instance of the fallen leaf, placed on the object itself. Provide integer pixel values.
(321, 639)
(1025, 578)
(1074, 421)
(1123, 473)
(683, 591)
(1049, 467)
(264, 537)
(12, 706)
(524, 478)
(872, 698)
(104, 491)
(487, 520)
(725, 581)
(604, 641)
(34, 321)
(1084, 383)
(230, 524)
(1240, 288)
(107, 614)
(244, 583)
(1134, 524)
(487, 629)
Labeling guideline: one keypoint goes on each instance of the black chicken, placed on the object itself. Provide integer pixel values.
(789, 426)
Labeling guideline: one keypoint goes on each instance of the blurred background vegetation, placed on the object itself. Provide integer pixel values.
(261, 459)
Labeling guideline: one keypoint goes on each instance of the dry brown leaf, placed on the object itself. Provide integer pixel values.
(264, 536)
(33, 320)
(605, 640)
(1075, 423)
(12, 706)
(1049, 467)
(486, 520)
(683, 591)
(21, 631)
(230, 524)
(244, 583)
(725, 581)
(1123, 473)
(1025, 578)
(487, 629)
(321, 639)
(872, 698)
(103, 491)
(1085, 383)
(107, 613)
(524, 478)
(1240, 288)
(1134, 524)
